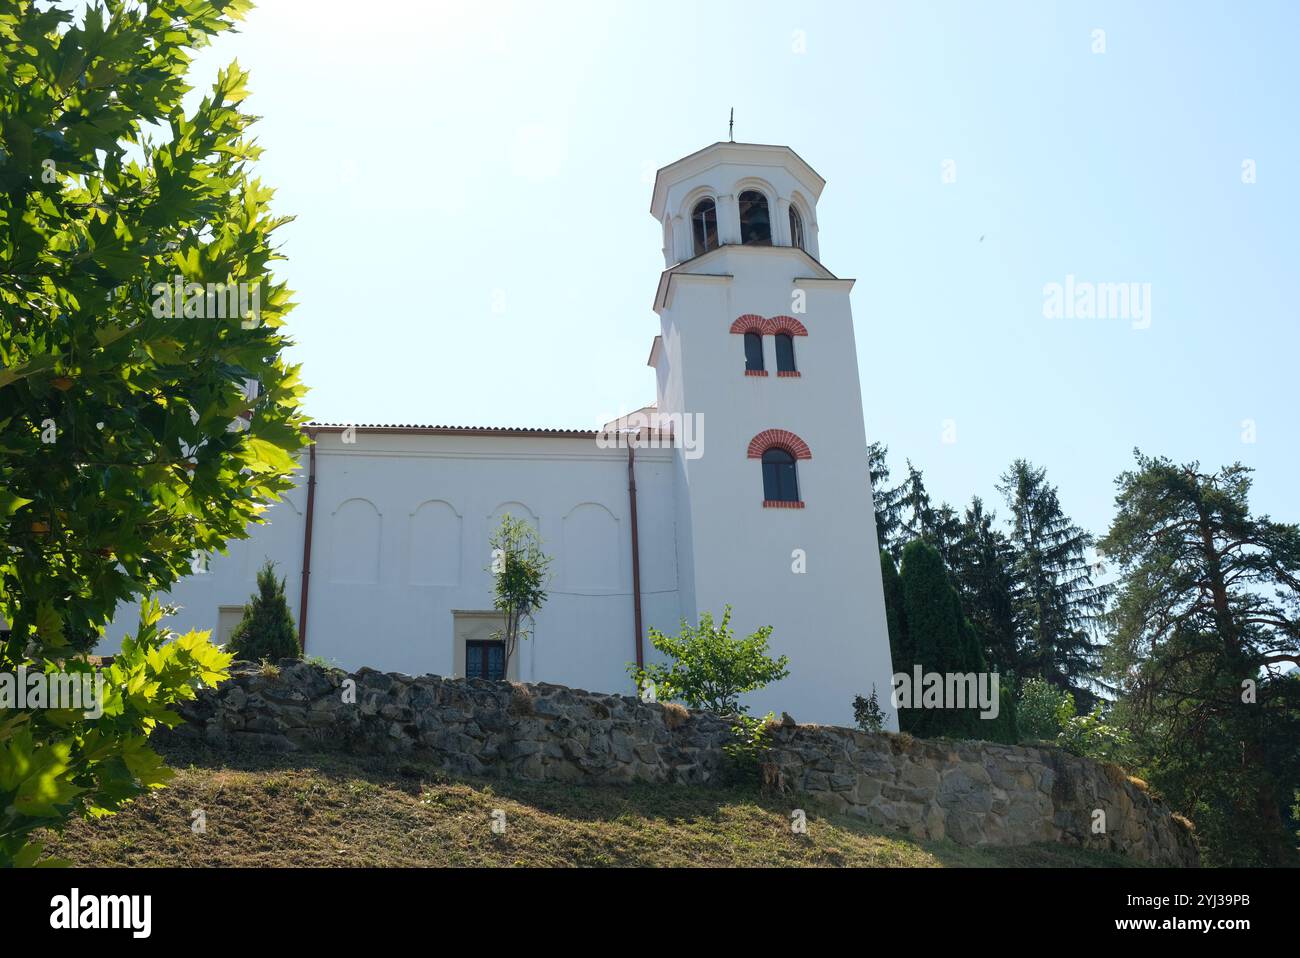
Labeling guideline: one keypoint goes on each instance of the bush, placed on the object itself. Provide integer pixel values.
(710, 668)
(1043, 709)
(747, 751)
(1090, 736)
(868, 713)
(266, 631)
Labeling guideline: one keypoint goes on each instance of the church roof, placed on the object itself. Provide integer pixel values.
(441, 430)
(728, 151)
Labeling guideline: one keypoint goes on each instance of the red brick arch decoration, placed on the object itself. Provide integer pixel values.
(781, 439)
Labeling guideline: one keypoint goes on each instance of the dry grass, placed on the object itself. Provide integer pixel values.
(265, 810)
(675, 716)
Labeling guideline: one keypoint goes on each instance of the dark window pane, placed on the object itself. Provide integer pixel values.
(796, 229)
(753, 351)
(755, 225)
(779, 482)
(704, 223)
(485, 660)
(784, 353)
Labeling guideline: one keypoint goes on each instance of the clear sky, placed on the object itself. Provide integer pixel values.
(473, 243)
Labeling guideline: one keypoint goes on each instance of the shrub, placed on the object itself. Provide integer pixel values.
(747, 752)
(868, 713)
(1043, 709)
(1092, 737)
(266, 631)
(710, 668)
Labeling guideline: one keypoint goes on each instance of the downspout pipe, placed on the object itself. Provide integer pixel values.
(306, 541)
(636, 548)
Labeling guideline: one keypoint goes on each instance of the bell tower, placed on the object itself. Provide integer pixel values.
(756, 349)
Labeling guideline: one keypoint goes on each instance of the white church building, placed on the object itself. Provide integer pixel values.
(745, 484)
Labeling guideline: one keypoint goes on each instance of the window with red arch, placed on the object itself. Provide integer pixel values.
(778, 451)
(783, 329)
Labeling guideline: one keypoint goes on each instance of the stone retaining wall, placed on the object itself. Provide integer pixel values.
(970, 792)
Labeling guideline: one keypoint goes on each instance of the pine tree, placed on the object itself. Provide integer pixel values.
(885, 499)
(983, 570)
(916, 515)
(940, 640)
(266, 631)
(900, 648)
(1056, 602)
(1207, 617)
(945, 534)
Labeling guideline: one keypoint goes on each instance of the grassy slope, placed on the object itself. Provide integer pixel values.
(314, 810)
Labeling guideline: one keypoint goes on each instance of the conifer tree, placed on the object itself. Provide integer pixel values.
(885, 499)
(1206, 620)
(900, 648)
(940, 640)
(1057, 604)
(945, 534)
(983, 570)
(916, 515)
(266, 631)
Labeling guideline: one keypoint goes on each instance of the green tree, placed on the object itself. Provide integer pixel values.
(519, 569)
(915, 511)
(709, 667)
(1056, 602)
(940, 639)
(900, 646)
(983, 570)
(120, 466)
(1206, 619)
(266, 631)
(885, 499)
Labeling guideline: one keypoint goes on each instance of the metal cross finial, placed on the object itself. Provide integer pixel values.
(731, 126)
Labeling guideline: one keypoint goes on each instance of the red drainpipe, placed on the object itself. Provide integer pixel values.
(306, 541)
(636, 550)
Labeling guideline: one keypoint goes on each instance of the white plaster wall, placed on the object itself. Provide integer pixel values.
(401, 542)
(830, 620)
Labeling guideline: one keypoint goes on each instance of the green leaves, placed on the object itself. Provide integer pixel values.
(118, 460)
(519, 569)
(54, 764)
(710, 667)
(10, 503)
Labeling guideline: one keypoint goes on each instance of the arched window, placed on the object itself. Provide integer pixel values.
(755, 224)
(704, 226)
(796, 228)
(780, 484)
(753, 353)
(784, 353)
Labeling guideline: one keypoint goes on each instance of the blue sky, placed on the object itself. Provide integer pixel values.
(473, 243)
